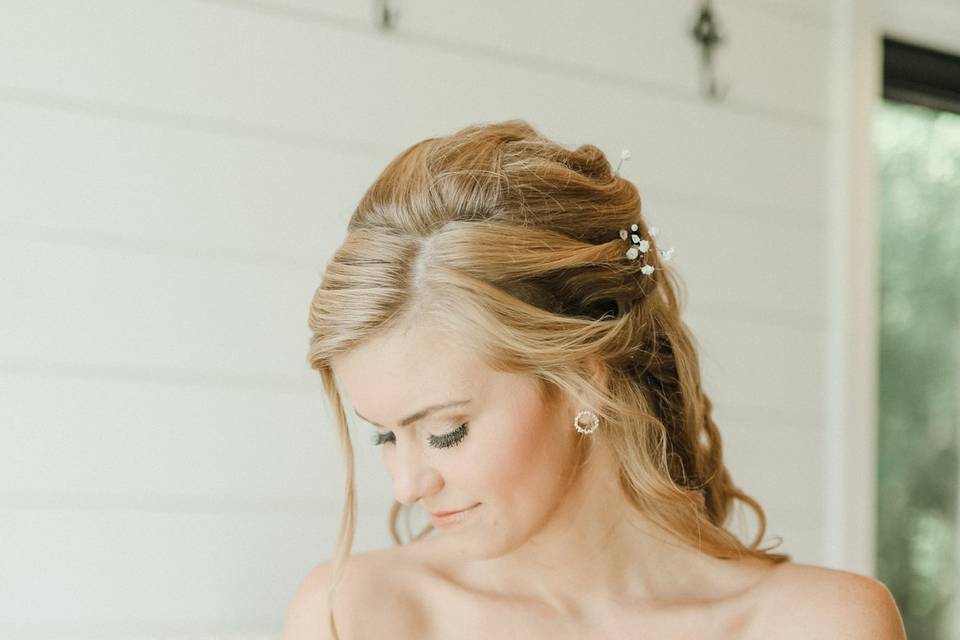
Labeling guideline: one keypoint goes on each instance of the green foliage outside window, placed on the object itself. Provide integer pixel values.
(918, 198)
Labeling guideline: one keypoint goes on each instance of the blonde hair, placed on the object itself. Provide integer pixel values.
(511, 241)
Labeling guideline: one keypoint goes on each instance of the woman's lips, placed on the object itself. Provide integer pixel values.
(450, 518)
(440, 514)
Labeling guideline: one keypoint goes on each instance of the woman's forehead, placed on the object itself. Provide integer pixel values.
(399, 373)
(420, 350)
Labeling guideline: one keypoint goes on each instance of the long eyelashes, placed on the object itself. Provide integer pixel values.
(450, 439)
(444, 441)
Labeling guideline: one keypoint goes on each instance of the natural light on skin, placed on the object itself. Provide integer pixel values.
(579, 548)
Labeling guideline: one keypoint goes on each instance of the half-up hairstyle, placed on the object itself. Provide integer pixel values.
(511, 242)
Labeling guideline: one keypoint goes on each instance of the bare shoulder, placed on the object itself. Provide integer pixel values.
(812, 602)
(370, 600)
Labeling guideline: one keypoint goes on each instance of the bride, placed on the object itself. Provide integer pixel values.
(502, 320)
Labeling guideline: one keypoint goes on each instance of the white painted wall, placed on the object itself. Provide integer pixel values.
(174, 176)
(929, 23)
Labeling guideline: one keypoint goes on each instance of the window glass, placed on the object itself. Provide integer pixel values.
(917, 151)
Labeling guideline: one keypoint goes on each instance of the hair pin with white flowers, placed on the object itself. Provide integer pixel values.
(639, 246)
(624, 155)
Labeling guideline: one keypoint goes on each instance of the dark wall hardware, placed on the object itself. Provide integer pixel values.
(386, 14)
(707, 34)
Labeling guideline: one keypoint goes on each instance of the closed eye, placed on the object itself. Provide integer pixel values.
(449, 439)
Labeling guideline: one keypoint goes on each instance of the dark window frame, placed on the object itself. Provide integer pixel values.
(920, 75)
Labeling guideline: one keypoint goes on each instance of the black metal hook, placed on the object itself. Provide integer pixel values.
(386, 14)
(707, 34)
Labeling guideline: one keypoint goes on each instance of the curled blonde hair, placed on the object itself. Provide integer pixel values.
(511, 242)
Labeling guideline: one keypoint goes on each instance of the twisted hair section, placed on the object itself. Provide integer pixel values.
(509, 241)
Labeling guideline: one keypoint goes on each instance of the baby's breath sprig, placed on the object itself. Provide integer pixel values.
(639, 245)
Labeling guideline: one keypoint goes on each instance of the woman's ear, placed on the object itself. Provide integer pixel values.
(585, 398)
(599, 372)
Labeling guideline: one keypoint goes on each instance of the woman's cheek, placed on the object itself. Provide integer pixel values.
(525, 455)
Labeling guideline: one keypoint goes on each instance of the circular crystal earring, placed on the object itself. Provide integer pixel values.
(592, 417)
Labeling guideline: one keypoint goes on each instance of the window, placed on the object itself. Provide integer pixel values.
(917, 151)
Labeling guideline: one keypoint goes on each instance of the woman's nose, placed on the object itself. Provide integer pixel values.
(413, 475)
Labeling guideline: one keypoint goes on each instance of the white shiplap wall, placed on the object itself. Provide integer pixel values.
(174, 176)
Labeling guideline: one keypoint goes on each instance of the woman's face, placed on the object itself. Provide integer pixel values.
(500, 447)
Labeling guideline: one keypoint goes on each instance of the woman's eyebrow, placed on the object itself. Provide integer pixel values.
(413, 417)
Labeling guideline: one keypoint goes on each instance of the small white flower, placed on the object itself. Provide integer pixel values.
(634, 227)
(666, 254)
(644, 245)
(624, 154)
(623, 234)
(632, 253)
(646, 269)
(635, 238)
